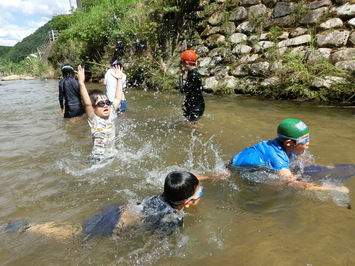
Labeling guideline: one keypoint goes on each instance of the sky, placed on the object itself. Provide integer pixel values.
(20, 18)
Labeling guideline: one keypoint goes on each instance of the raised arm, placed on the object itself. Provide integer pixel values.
(84, 93)
(118, 94)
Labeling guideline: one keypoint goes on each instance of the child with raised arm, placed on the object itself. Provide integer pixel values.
(101, 114)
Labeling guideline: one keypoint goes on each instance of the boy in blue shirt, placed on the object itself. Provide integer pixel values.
(293, 139)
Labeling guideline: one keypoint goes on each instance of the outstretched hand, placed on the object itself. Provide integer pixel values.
(118, 72)
(81, 74)
(342, 189)
(219, 175)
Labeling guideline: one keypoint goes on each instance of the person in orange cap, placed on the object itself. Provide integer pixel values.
(194, 104)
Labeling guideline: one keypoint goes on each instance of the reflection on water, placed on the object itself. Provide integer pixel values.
(45, 177)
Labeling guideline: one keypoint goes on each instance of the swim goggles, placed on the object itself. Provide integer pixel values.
(102, 103)
(199, 194)
(303, 141)
(193, 197)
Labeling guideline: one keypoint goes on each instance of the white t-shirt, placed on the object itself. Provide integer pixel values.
(103, 134)
(111, 84)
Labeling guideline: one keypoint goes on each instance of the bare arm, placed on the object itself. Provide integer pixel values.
(290, 179)
(118, 94)
(220, 175)
(84, 93)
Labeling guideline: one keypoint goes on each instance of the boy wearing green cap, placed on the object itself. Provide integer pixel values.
(293, 139)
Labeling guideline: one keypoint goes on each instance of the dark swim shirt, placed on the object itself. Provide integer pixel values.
(157, 215)
(194, 104)
(69, 97)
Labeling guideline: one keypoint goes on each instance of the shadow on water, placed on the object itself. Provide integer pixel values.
(253, 220)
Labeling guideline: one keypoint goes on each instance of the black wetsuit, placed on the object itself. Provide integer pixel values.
(194, 104)
(69, 97)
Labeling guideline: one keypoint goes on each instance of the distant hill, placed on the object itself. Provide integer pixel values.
(27, 46)
(4, 50)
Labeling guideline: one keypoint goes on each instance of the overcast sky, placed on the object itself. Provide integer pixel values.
(20, 18)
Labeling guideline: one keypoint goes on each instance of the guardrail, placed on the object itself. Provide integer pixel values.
(43, 50)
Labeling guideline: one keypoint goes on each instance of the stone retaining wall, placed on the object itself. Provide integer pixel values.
(245, 46)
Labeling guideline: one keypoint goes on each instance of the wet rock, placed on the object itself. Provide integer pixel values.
(303, 39)
(259, 69)
(216, 18)
(298, 32)
(330, 24)
(319, 54)
(238, 38)
(211, 83)
(351, 22)
(351, 40)
(229, 82)
(283, 36)
(266, 44)
(283, 9)
(220, 71)
(258, 10)
(333, 39)
(249, 2)
(241, 49)
(246, 26)
(327, 81)
(346, 11)
(269, 3)
(239, 14)
(313, 16)
(240, 70)
(228, 28)
(347, 66)
(343, 54)
(215, 40)
(270, 82)
(287, 21)
(318, 4)
(205, 72)
(247, 59)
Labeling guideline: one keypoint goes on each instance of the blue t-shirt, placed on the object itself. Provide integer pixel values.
(269, 154)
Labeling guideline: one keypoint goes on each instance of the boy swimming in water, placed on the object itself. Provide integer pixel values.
(293, 140)
(101, 113)
(159, 213)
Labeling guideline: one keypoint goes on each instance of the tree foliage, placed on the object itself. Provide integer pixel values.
(28, 45)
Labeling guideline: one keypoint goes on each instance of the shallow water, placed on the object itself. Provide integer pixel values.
(45, 177)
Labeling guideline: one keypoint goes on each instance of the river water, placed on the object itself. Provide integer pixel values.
(45, 178)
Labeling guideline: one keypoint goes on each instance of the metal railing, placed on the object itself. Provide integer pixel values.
(43, 50)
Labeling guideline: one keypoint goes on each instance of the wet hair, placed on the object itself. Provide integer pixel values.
(116, 62)
(179, 186)
(67, 70)
(95, 94)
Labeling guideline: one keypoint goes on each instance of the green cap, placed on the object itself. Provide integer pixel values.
(292, 128)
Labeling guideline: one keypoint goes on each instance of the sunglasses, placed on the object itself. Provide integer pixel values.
(303, 141)
(102, 103)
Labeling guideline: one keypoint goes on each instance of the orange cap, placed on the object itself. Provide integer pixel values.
(189, 56)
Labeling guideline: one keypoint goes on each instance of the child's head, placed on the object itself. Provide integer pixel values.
(67, 70)
(188, 59)
(116, 63)
(179, 186)
(294, 135)
(100, 103)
